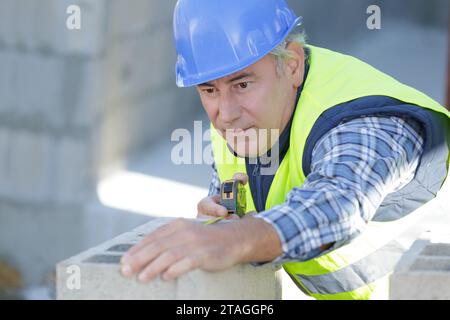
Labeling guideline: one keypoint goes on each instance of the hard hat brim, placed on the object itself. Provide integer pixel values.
(229, 70)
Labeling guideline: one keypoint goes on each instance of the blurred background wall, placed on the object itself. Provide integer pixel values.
(79, 106)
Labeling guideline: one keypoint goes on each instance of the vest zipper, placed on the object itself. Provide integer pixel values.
(257, 174)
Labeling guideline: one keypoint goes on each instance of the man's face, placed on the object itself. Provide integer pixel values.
(244, 107)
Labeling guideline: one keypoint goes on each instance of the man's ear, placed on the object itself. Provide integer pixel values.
(296, 63)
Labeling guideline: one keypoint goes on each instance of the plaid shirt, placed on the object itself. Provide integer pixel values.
(354, 166)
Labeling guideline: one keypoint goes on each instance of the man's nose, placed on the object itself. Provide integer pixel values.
(229, 110)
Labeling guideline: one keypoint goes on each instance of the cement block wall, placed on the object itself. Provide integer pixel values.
(336, 24)
(99, 275)
(73, 103)
(423, 273)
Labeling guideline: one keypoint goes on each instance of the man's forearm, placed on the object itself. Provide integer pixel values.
(252, 240)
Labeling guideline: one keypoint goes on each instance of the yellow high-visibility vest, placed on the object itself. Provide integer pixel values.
(361, 268)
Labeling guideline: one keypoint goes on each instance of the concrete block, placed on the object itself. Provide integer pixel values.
(122, 71)
(161, 13)
(143, 17)
(127, 126)
(46, 24)
(89, 40)
(137, 64)
(74, 180)
(145, 127)
(423, 273)
(38, 86)
(7, 22)
(6, 78)
(131, 68)
(163, 57)
(5, 161)
(25, 22)
(99, 277)
(30, 166)
(126, 20)
(90, 100)
(41, 24)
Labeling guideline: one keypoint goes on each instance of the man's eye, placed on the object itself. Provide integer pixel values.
(243, 85)
(209, 91)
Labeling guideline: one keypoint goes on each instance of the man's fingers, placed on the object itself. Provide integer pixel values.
(151, 251)
(163, 231)
(205, 216)
(233, 217)
(242, 177)
(215, 199)
(180, 267)
(161, 263)
(210, 207)
(135, 263)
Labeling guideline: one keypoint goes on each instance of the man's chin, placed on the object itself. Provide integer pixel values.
(247, 150)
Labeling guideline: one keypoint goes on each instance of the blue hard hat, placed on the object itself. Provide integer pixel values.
(216, 38)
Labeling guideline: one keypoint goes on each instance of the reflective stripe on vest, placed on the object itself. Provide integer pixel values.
(334, 79)
(357, 275)
(382, 261)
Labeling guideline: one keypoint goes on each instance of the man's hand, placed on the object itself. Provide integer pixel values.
(210, 206)
(179, 247)
(182, 246)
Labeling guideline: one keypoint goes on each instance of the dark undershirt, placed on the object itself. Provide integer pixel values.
(260, 184)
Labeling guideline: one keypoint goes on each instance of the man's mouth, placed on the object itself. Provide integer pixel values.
(238, 131)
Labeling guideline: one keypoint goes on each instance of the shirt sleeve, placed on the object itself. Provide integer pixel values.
(354, 166)
(214, 187)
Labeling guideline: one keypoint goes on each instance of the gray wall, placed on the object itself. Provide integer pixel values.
(335, 24)
(411, 46)
(73, 104)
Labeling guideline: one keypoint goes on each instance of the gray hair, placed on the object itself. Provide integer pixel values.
(282, 54)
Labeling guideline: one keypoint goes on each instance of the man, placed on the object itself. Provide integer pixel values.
(357, 155)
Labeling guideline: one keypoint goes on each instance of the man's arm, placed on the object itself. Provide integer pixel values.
(354, 166)
(214, 187)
